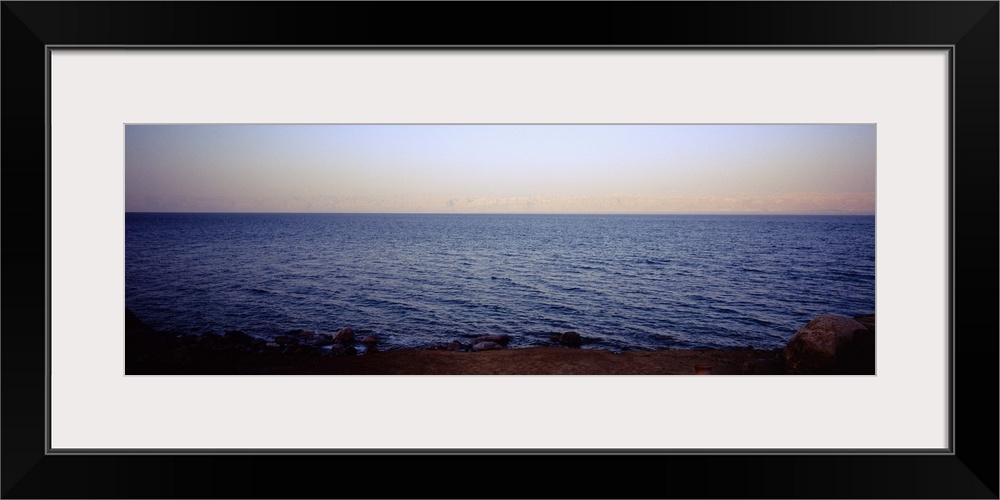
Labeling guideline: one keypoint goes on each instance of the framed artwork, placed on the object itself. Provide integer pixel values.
(263, 119)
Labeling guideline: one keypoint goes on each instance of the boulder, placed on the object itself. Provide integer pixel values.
(344, 336)
(502, 339)
(303, 349)
(816, 347)
(338, 350)
(457, 346)
(486, 346)
(209, 339)
(570, 339)
(868, 320)
(133, 323)
(286, 340)
(305, 336)
(238, 337)
(142, 341)
(862, 353)
(370, 340)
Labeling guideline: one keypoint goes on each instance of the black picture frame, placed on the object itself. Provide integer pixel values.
(969, 28)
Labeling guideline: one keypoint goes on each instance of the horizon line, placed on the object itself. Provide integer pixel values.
(791, 214)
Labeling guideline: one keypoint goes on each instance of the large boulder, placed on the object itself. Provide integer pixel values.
(862, 360)
(821, 346)
(868, 320)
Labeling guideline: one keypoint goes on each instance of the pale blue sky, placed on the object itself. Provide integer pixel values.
(501, 168)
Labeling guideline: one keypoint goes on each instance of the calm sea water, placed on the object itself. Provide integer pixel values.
(624, 282)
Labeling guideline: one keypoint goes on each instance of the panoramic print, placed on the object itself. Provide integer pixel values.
(500, 249)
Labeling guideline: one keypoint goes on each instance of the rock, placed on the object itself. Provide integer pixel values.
(238, 337)
(286, 340)
(868, 320)
(369, 340)
(502, 339)
(304, 336)
(338, 350)
(454, 345)
(816, 347)
(344, 336)
(133, 323)
(862, 353)
(142, 341)
(486, 346)
(211, 340)
(371, 349)
(321, 340)
(570, 339)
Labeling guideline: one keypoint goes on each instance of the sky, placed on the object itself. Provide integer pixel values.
(725, 169)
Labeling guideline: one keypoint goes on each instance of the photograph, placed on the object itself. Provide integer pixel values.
(256, 234)
(510, 249)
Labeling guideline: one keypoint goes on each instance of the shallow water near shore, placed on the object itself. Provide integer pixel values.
(624, 282)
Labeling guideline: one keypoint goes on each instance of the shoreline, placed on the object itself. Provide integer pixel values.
(149, 352)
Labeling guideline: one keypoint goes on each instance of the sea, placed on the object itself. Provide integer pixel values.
(623, 282)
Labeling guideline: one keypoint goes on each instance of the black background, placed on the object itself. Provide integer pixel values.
(972, 472)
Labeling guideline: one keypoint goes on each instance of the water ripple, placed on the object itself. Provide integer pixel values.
(623, 282)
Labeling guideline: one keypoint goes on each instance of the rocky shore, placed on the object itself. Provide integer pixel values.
(827, 345)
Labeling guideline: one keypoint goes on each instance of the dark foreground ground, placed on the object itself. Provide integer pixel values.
(148, 352)
(526, 361)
